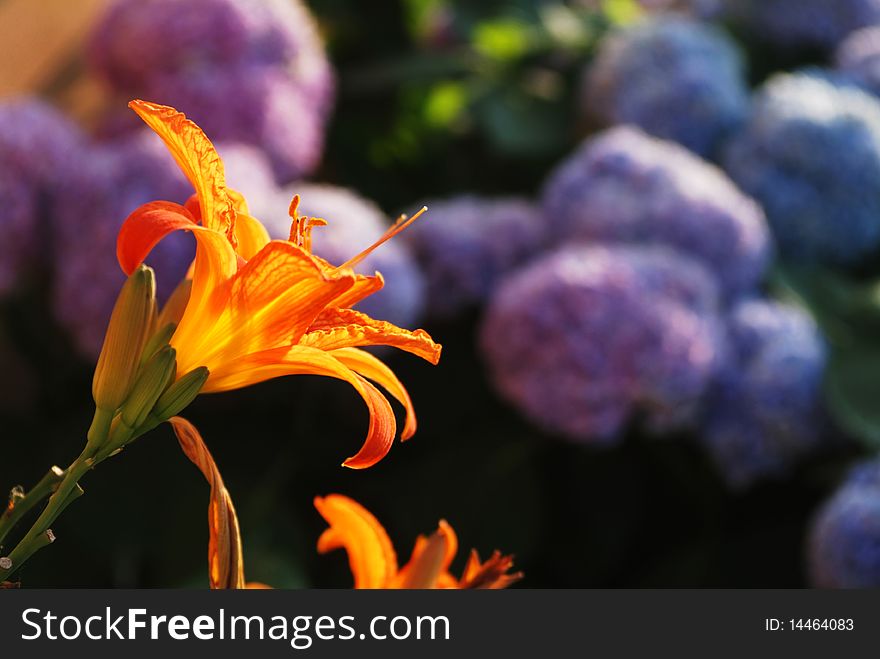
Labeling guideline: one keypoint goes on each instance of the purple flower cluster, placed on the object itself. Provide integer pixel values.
(765, 410)
(801, 23)
(245, 70)
(858, 57)
(353, 224)
(810, 153)
(624, 186)
(676, 78)
(844, 543)
(110, 182)
(467, 243)
(585, 339)
(37, 148)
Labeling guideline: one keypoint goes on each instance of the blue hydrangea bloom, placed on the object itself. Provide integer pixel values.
(858, 57)
(112, 180)
(585, 339)
(810, 154)
(467, 243)
(37, 147)
(625, 186)
(801, 23)
(844, 542)
(765, 411)
(353, 224)
(676, 78)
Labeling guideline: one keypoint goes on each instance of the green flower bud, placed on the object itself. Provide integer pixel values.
(180, 394)
(159, 339)
(148, 387)
(130, 323)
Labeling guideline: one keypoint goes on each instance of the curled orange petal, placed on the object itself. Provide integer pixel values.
(197, 158)
(374, 369)
(354, 528)
(343, 328)
(301, 360)
(226, 567)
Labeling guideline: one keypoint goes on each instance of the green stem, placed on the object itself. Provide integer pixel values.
(35, 495)
(68, 490)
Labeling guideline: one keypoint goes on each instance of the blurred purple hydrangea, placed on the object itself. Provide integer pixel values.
(858, 57)
(249, 172)
(676, 78)
(466, 244)
(244, 70)
(765, 411)
(625, 186)
(844, 542)
(585, 339)
(38, 146)
(353, 224)
(810, 154)
(801, 23)
(112, 180)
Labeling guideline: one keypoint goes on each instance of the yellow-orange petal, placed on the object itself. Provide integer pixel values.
(250, 234)
(299, 360)
(226, 566)
(214, 265)
(338, 328)
(196, 157)
(353, 528)
(374, 369)
(430, 560)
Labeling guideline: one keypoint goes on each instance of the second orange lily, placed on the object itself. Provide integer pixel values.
(254, 308)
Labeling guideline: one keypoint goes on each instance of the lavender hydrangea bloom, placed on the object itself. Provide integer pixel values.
(111, 182)
(249, 172)
(253, 71)
(467, 243)
(259, 105)
(137, 40)
(37, 146)
(675, 78)
(625, 186)
(844, 542)
(810, 154)
(586, 338)
(765, 412)
(858, 57)
(802, 23)
(353, 224)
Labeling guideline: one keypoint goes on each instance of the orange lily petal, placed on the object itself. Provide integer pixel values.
(250, 234)
(300, 361)
(196, 157)
(215, 262)
(352, 527)
(374, 369)
(342, 328)
(430, 559)
(226, 567)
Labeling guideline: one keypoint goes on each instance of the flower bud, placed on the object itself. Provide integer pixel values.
(158, 340)
(148, 387)
(180, 394)
(130, 323)
(173, 310)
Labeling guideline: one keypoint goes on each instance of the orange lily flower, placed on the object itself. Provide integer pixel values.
(254, 308)
(374, 562)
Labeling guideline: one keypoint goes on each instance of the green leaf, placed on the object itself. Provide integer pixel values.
(502, 39)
